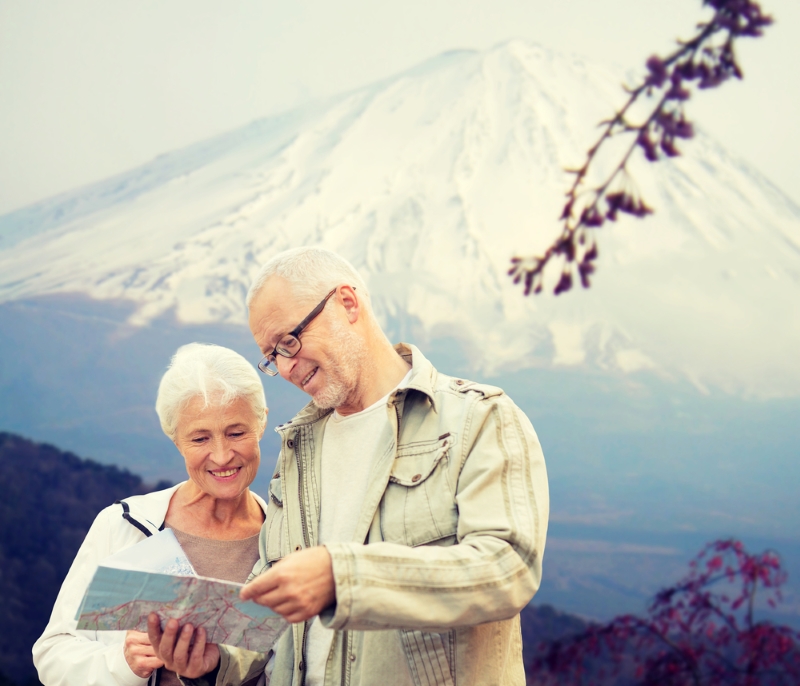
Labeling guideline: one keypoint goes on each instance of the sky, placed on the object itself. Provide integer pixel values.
(90, 88)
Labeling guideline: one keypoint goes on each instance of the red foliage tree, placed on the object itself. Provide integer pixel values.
(706, 60)
(702, 631)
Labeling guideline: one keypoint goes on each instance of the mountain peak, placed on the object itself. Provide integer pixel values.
(429, 182)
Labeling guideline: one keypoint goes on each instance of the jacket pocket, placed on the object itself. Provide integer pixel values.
(418, 506)
(430, 657)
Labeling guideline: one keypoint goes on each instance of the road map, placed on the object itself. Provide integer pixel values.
(120, 598)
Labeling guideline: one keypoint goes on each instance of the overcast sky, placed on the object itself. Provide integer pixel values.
(89, 88)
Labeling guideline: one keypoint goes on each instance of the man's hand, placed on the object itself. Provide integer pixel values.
(298, 587)
(139, 654)
(174, 647)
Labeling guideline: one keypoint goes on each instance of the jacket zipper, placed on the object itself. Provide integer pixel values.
(303, 654)
(345, 658)
(306, 542)
(300, 477)
(397, 428)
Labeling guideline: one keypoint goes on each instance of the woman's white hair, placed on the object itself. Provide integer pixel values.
(218, 375)
(311, 273)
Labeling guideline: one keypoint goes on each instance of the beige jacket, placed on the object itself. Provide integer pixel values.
(447, 551)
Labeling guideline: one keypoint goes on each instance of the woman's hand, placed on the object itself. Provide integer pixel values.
(174, 647)
(140, 655)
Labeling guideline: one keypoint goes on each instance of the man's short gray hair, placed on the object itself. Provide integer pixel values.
(311, 273)
(218, 375)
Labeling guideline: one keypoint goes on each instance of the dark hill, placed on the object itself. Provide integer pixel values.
(49, 500)
(542, 624)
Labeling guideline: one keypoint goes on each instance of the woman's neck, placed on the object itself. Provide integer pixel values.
(195, 512)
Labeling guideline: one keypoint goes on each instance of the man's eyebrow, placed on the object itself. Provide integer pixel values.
(272, 346)
(265, 350)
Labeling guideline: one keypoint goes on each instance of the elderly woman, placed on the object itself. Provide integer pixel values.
(211, 404)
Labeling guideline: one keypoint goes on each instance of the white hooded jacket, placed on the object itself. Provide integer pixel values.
(64, 656)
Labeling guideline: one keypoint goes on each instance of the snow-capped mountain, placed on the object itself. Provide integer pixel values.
(429, 182)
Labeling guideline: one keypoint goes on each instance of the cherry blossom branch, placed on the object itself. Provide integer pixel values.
(708, 59)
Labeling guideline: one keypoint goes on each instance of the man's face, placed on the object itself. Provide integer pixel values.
(331, 354)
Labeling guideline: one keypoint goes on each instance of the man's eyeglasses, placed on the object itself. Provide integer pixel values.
(289, 344)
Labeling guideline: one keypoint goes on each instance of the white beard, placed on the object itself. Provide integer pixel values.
(341, 376)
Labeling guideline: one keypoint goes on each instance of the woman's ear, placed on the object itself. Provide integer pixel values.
(264, 428)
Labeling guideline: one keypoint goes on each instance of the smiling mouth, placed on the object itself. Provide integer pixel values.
(309, 377)
(223, 473)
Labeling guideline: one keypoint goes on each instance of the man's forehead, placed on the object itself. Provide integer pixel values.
(275, 311)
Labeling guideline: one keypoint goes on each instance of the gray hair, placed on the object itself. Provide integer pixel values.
(311, 273)
(218, 375)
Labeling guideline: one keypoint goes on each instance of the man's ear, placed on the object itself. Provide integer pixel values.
(350, 300)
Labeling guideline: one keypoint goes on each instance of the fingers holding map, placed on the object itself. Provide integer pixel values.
(182, 649)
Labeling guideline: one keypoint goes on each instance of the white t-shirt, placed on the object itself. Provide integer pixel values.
(349, 448)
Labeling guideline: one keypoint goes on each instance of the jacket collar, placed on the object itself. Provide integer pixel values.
(423, 373)
(422, 379)
(150, 509)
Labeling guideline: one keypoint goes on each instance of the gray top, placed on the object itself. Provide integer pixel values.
(225, 560)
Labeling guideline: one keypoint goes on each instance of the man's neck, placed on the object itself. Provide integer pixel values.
(385, 370)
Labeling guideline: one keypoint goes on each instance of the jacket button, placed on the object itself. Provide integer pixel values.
(416, 477)
(298, 547)
(301, 666)
(290, 444)
(459, 382)
(352, 657)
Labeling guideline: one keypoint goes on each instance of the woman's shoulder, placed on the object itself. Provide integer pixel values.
(261, 502)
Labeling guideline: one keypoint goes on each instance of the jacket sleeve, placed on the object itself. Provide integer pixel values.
(237, 666)
(495, 567)
(64, 656)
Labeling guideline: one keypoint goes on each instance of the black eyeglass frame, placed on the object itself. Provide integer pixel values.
(271, 359)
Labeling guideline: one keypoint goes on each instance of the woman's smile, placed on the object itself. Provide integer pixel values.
(225, 474)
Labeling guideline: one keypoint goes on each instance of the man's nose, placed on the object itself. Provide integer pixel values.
(285, 366)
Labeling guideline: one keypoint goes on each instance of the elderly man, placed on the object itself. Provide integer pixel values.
(407, 514)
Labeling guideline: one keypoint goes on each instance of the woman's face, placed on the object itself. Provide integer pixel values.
(220, 446)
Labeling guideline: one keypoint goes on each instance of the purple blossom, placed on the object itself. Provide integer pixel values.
(694, 632)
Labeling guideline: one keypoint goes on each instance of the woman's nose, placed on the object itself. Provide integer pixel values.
(222, 452)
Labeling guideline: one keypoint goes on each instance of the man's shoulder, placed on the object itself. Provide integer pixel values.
(429, 380)
(457, 395)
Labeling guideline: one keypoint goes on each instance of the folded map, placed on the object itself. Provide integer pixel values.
(120, 599)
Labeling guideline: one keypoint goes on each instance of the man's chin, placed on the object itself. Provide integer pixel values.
(323, 402)
(329, 398)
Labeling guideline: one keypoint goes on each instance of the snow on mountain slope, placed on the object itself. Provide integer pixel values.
(429, 182)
